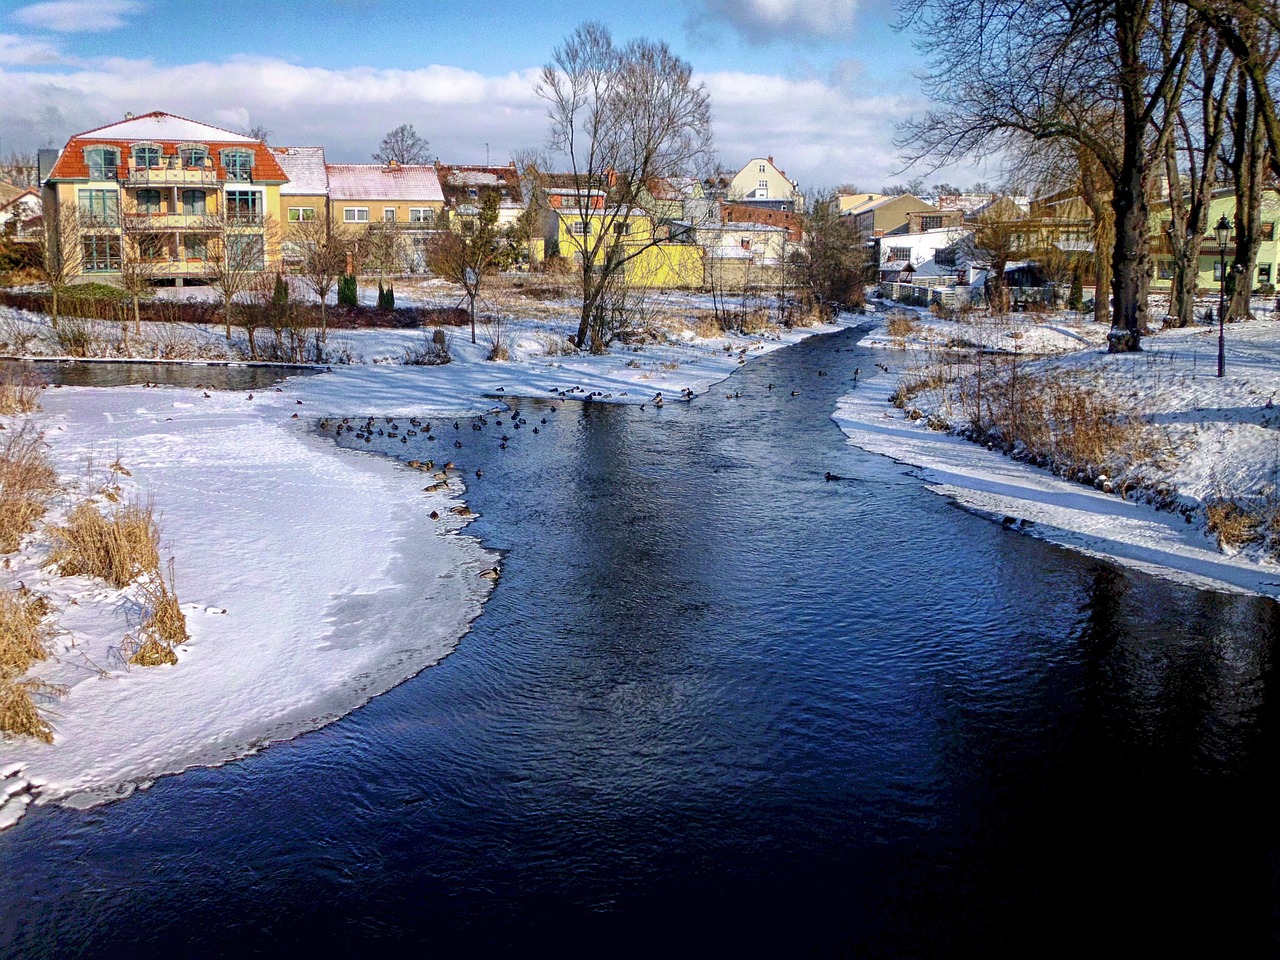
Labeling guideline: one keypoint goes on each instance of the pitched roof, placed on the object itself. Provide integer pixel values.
(456, 180)
(169, 132)
(305, 168)
(373, 181)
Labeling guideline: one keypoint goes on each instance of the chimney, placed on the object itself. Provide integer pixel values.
(393, 164)
(128, 115)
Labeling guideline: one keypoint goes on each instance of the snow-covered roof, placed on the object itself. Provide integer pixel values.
(304, 166)
(164, 126)
(373, 181)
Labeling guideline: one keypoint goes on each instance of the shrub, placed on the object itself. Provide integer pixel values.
(386, 297)
(900, 323)
(347, 291)
(1233, 524)
(18, 714)
(432, 351)
(116, 548)
(164, 627)
(24, 635)
(280, 293)
(27, 480)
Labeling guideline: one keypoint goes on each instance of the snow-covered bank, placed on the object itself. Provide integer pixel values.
(335, 582)
(1219, 433)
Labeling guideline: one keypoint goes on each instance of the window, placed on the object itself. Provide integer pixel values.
(900, 253)
(946, 257)
(763, 187)
(101, 254)
(388, 214)
(193, 156)
(193, 203)
(355, 215)
(506, 194)
(101, 207)
(746, 243)
(421, 215)
(578, 228)
(245, 251)
(239, 164)
(621, 229)
(301, 214)
(146, 155)
(151, 247)
(102, 162)
(1217, 271)
(148, 201)
(195, 247)
(762, 168)
(244, 206)
(1264, 273)
(930, 223)
(1269, 231)
(472, 192)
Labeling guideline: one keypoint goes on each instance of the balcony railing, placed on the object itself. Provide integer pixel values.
(172, 174)
(169, 221)
(169, 269)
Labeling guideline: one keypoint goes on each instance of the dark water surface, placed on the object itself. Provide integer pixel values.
(111, 373)
(718, 704)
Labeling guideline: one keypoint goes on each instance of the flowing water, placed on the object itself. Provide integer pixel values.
(719, 703)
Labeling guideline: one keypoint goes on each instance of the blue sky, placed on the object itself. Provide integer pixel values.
(820, 85)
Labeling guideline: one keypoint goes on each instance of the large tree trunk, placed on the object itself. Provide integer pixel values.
(1130, 261)
(1250, 164)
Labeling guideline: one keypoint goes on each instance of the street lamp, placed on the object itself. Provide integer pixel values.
(1223, 234)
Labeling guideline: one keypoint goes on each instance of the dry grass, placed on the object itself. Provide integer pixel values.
(24, 635)
(27, 480)
(1233, 524)
(116, 548)
(19, 393)
(899, 323)
(18, 714)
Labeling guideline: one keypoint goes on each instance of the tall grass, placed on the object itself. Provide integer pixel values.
(116, 548)
(24, 639)
(19, 393)
(27, 481)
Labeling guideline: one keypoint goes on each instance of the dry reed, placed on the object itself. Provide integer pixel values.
(116, 548)
(19, 393)
(27, 480)
(18, 714)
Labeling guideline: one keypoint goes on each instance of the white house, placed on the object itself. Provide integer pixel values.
(761, 182)
(930, 255)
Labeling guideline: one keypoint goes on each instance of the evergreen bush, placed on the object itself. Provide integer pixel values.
(347, 291)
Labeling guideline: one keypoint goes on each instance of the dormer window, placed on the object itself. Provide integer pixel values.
(238, 163)
(146, 155)
(472, 192)
(193, 155)
(102, 162)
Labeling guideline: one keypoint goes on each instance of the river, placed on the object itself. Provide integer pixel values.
(718, 702)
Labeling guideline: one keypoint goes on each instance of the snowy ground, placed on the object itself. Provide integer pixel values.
(290, 561)
(1221, 435)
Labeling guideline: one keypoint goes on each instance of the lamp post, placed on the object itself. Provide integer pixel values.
(1222, 232)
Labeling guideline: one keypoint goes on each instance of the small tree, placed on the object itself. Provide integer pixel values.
(402, 145)
(63, 256)
(323, 262)
(236, 255)
(466, 258)
(140, 248)
(832, 265)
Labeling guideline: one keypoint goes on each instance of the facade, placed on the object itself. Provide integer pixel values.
(402, 201)
(163, 194)
(884, 216)
(941, 254)
(792, 223)
(761, 183)
(465, 188)
(20, 215)
(1222, 204)
(304, 200)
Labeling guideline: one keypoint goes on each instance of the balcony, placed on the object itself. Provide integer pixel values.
(172, 174)
(169, 221)
(174, 269)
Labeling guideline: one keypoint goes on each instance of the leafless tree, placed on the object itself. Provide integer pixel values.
(63, 251)
(20, 168)
(323, 260)
(236, 251)
(624, 118)
(467, 257)
(1042, 69)
(141, 247)
(832, 266)
(403, 145)
(258, 132)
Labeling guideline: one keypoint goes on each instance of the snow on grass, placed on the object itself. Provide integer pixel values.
(1221, 438)
(312, 577)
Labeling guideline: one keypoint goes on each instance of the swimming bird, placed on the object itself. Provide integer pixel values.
(491, 574)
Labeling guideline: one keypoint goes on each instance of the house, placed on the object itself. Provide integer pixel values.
(1222, 203)
(20, 215)
(848, 202)
(919, 221)
(303, 200)
(936, 256)
(161, 191)
(761, 183)
(465, 187)
(741, 254)
(792, 223)
(887, 215)
(393, 199)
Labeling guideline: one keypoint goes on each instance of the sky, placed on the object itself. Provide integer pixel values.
(820, 85)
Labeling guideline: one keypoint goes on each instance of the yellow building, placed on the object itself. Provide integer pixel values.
(304, 199)
(159, 194)
(1222, 204)
(761, 182)
(654, 259)
(405, 199)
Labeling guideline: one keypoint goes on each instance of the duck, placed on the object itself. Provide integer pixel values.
(491, 574)
(461, 510)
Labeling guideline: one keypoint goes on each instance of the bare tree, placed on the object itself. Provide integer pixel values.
(258, 132)
(20, 168)
(141, 247)
(236, 251)
(63, 247)
(403, 145)
(467, 257)
(832, 265)
(323, 260)
(624, 118)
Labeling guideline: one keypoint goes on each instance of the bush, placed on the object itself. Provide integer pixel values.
(24, 635)
(386, 297)
(19, 393)
(1233, 524)
(280, 293)
(900, 323)
(347, 291)
(432, 351)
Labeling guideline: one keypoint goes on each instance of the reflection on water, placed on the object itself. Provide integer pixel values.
(208, 376)
(718, 703)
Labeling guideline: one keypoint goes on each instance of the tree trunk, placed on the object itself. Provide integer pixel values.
(472, 306)
(1130, 261)
(1250, 164)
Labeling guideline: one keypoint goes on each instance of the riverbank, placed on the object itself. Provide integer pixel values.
(313, 578)
(1209, 447)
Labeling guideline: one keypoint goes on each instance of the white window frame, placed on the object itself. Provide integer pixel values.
(388, 214)
(762, 168)
(302, 214)
(355, 215)
(422, 215)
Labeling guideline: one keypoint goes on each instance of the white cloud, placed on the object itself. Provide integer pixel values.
(762, 21)
(26, 51)
(821, 131)
(77, 16)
